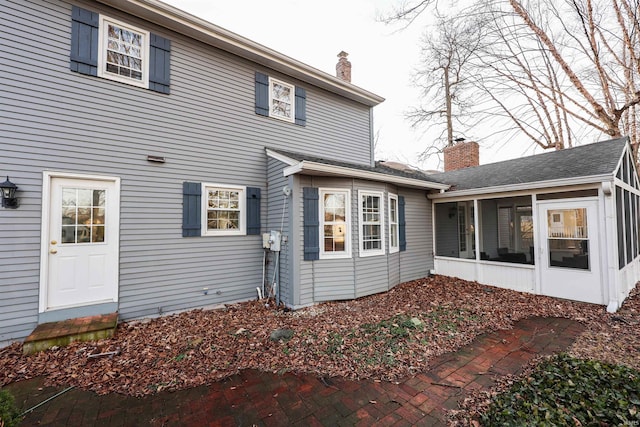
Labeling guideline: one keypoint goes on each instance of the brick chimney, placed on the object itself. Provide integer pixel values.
(461, 155)
(343, 67)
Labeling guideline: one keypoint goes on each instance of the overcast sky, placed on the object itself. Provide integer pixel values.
(383, 58)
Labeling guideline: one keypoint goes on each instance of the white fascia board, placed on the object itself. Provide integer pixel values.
(184, 23)
(281, 157)
(314, 168)
(523, 187)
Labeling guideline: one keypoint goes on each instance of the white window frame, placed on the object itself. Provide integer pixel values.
(394, 249)
(292, 88)
(362, 223)
(102, 52)
(347, 233)
(242, 208)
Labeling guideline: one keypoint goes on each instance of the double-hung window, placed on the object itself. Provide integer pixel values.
(371, 214)
(224, 210)
(335, 223)
(281, 100)
(394, 239)
(123, 53)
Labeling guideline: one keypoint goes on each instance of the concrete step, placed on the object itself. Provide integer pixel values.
(91, 328)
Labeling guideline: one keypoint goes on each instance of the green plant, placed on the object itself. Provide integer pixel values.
(564, 391)
(9, 414)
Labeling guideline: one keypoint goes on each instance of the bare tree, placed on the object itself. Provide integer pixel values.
(444, 79)
(559, 72)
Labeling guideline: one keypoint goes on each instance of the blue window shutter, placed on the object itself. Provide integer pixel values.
(84, 41)
(159, 63)
(311, 224)
(402, 225)
(253, 210)
(301, 106)
(191, 209)
(262, 94)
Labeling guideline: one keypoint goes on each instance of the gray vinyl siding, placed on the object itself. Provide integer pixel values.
(347, 278)
(417, 260)
(58, 120)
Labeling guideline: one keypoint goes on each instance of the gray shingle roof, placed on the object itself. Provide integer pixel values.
(586, 160)
(377, 169)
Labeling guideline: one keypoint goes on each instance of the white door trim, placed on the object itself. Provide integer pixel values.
(47, 177)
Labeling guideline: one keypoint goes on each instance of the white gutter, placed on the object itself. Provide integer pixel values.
(523, 187)
(182, 22)
(315, 168)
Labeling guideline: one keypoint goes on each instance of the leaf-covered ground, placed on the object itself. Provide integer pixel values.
(386, 336)
(611, 338)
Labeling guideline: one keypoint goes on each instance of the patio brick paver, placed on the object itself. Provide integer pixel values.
(265, 399)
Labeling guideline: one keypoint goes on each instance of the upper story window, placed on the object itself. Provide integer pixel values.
(281, 100)
(224, 210)
(124, 53)
(371, 223)
(335, 223)
(394, 240)
(114, 50)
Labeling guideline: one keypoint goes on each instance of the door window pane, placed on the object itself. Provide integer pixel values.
(83, 215)
(568, 238)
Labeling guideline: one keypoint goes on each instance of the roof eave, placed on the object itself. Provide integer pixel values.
(591, 179)
(321, 169)
(184, 23)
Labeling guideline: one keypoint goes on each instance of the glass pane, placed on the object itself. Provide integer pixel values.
(568, 223)
(84, 234)
(569, 253)
(97, 233)
(68, 234)
(84, 197)
(69, 197)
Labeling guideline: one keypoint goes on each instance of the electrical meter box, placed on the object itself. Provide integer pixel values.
(274, 240)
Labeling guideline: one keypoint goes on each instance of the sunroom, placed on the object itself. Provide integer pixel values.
(563, 224)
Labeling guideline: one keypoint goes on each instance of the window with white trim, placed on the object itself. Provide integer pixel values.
(394, 229)
(223, 210)
(123, 53)
(281, 100)
(335, 223)
(371, 214)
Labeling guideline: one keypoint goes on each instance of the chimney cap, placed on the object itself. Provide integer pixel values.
(343, 54)
(460, 139)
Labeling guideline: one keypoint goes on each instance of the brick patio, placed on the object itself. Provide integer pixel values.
(264, 399)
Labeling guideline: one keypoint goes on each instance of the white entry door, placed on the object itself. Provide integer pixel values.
(569, 250)
(82, 245)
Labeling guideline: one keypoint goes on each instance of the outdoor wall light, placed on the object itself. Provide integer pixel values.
(9, 199)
